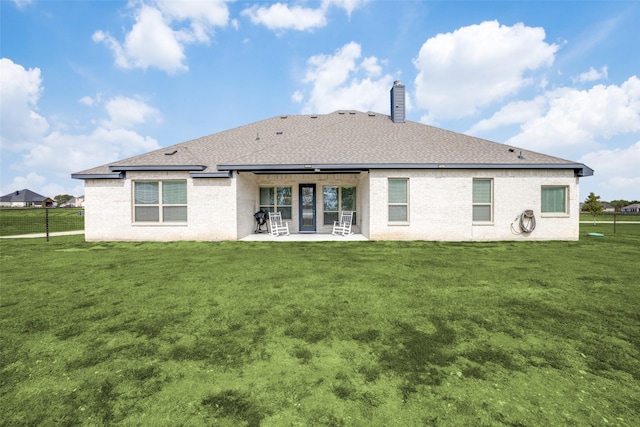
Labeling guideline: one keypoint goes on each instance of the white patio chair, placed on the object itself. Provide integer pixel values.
(343, 227)
(278, 226)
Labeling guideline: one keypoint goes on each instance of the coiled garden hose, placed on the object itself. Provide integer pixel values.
(527, 221)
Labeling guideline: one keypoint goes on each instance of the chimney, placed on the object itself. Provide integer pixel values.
(397, 102)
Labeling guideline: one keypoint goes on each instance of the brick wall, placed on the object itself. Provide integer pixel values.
(440, 205)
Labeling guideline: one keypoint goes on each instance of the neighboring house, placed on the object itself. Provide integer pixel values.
(635, 208)
(404, 180)
(76, 202)
(24, 199)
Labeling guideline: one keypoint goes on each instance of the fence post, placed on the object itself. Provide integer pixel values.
(614, 223)
(46, 222)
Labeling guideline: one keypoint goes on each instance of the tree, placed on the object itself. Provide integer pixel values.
(62, 198)
(593, 206)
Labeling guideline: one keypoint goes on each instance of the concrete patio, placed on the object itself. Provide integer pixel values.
(303, 237)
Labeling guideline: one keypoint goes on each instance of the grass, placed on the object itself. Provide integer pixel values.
(322, 334)
(17, 221)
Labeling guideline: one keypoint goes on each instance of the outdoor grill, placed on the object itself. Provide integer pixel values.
(261, 219)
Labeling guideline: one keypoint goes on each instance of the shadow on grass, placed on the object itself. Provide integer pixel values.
(234, 406)
(419, 356)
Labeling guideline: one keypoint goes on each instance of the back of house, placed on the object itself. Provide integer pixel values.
(403, 180)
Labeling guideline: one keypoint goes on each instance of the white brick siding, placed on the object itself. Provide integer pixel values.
(211, 210)
(440, 205)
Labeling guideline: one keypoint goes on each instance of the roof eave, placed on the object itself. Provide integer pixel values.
(225, 174)
(120, 175)
(579, 168)
(118, 168)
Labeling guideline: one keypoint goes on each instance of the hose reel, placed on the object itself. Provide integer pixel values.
(527, 221)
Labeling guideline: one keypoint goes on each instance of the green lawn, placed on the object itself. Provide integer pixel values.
(320, 334)
(17, 221)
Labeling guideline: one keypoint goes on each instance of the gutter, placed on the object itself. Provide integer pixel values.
(120, 175)
(158, 168)
(578, 168)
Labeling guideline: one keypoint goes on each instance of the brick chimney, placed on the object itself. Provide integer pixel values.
(397, 102)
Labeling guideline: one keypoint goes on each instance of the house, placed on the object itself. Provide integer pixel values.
(404, 181)
(635, 208)
(75, 202)
(25, 199)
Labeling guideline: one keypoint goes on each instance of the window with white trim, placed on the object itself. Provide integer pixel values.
(276, 199)
(398, 200)
(337, 199)
(554, 199)
(482, 200)
(160, 201)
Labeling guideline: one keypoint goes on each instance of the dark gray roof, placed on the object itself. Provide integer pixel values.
(339, 141)
(23, 196)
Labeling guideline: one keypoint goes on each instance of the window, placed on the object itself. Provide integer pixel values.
(337, 199)
(482, 200)
(554, 200)
(149, 206)
(398, 200)
(276, 199)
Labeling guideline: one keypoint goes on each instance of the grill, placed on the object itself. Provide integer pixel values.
(261, 219)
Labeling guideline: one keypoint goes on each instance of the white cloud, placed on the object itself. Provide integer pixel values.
(591, 75)
(31, 181)
(282, 16)
(617, 171)
(150, 43)
(343, 82)
(348, 5)
(127, 112)
(89, 101)
(83, 151)
(460, 72)
(154, 42)
(20, 89)
(21, 4)
(517, 112)
(203, 16)
(56, 154)
(572, 119)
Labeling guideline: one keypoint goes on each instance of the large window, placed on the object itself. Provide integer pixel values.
(160, 201)
(554, 200)
(398, 202)
(482, 200)
(337, 199)
(276, 199)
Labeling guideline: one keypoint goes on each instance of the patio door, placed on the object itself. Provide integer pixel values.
(307, 208)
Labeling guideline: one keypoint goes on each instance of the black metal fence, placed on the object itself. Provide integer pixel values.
(611, 223)
(24, 221)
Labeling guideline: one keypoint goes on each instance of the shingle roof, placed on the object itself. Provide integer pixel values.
(23, 196)
(339, 140)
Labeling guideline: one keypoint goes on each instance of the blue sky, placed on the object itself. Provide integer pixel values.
(84, 83)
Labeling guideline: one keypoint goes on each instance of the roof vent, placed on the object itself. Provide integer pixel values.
(283, 117)
(397, 102)
(314, 117)
(279, 132)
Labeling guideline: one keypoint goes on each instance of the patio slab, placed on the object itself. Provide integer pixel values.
(303, 237)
